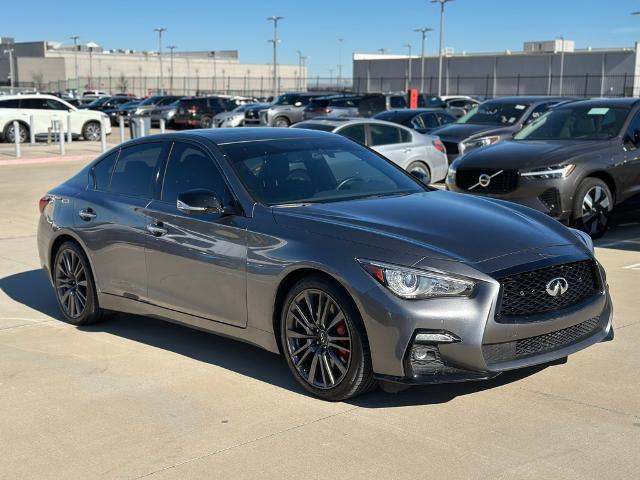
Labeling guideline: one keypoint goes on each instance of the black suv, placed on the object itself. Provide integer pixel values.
(199, 111)
(422, 120)
(574, 163)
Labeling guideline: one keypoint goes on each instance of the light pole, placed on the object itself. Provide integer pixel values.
(91, 46)
(275, 41)
(442, 3)
(212, 54)
(423, 33)
(300, 57)
(303, 80)
(11, 73)
(171, 49)
(408, 82)
(339, 79)
(561, 37)
(75, 57)
(160, 30)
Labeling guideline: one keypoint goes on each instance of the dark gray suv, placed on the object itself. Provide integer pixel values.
(311, 245)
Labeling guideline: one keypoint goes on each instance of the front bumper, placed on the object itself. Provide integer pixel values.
(484, 347)
(554, 197)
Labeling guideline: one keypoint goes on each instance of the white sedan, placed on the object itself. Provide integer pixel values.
(420, 154)
(40, 111)
(234, 118)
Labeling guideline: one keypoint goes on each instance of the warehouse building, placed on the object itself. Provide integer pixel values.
(541, 68)
(55, 66)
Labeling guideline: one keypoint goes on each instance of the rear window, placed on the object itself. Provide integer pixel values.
(9, 103)
(316, 126)
(397, 102)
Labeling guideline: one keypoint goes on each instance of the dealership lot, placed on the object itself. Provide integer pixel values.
(135, 397)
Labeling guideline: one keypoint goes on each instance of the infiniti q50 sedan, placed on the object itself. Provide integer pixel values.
(311, 245)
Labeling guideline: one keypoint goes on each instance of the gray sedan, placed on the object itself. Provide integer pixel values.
(313, 246)
(420, 154)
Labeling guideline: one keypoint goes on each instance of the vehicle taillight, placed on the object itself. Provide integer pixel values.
(328, 110)
(439, 146)
(43, 202)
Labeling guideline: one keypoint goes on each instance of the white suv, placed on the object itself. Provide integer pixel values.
(45, 109)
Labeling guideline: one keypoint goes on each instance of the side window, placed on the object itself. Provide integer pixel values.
(354, 132)
(397, 102)
(53, 105)
(101, 172)
(135, 170)
(190, 168)
(383, 134)
(9, 103)
(405, 136)
(538, 111)
(633, 126)
(445, 118)
(32, 103)
(429, 120)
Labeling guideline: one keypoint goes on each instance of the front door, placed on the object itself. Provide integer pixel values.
(196, 263)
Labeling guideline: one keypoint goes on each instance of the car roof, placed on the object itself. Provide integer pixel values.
(604, 102)
(407, 112)
(342, 121)
(30, 95)
(528, 99)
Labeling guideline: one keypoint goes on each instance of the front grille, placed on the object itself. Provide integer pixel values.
(503, 182)
(551, 199)
(451, 147)
(525, 294)
(549, 342)
(251, 114)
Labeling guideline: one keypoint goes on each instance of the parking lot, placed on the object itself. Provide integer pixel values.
(136, 397)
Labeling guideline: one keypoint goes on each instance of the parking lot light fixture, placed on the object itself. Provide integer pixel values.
(212, 54)
(160, 30)
(275, 20)
(423, 33)
(442, 4)
(561, 37)
(408, 82)
(340, 40)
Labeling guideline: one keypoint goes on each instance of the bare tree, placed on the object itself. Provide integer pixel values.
(122, 84)
(37, 78)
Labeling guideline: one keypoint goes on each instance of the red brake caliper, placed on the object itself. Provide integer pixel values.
(341, 330)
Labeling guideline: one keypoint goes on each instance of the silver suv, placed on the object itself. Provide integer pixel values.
(288, 109)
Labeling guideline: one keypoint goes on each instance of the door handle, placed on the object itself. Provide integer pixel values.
(86, 214)
(156, 229)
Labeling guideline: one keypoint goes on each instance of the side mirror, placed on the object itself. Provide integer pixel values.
(199, 201)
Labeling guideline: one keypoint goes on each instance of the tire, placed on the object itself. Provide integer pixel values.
(91, 131)
(592, 207)
(281, 122)
(328, 353)
(206, 122)
(425, 173)
(74, 286)
(23, 132)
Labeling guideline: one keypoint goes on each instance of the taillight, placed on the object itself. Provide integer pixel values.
(43, 202)
(439, 146)
(328, 110)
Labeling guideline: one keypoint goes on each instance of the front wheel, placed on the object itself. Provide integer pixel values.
(206, 122)
(91, 131)
(324, 341)
(592, 207)
(281, 122)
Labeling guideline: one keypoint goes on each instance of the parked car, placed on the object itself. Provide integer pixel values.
(95, 94)
(575, 163)
(199, 111)
(166, 113)
(421, 155)
(313, 246)
(234, 118)
(148, 104)
(106, 103)
(45, 109)
(456, 105)
(288, 108)
(375, 103)
(492, 122)
(122, 110)
(334, 106)
(421, 120)
(253, 116)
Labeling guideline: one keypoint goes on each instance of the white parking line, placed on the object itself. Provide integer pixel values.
(618, 242)
(635, 266)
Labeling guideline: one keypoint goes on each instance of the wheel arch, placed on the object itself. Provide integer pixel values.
(606, 178)
(57, 242)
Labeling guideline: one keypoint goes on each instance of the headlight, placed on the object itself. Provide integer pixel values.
(451, 174)
(584, 238)
(556, 171)
(416, 284)
(479, 142)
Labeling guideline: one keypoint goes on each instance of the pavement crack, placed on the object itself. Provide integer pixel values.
(248, 442)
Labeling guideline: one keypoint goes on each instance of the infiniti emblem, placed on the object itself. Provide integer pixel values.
(557, 287)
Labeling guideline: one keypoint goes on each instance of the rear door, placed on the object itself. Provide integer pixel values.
(197, 262)
(111, 219)
(390, 141)
(44, 111)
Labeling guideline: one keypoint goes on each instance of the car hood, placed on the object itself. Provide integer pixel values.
(436, 224)
(523, 155)
(461, 131)
(227, 115)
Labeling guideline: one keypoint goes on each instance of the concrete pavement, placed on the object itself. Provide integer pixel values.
(139, 398)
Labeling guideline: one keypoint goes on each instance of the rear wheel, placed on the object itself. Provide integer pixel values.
(91, 131)
(281, 122)
(324, 341)
(10, 136)
(592, 207)
(206, 122)
(420, 170)
(74, 285)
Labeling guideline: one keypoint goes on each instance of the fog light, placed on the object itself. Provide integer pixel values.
(423, 353)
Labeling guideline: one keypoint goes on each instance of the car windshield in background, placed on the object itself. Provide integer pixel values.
(148, 101)
(99, 102)
(576, 123)
(289, 99)
(495, 113)
(301, 171)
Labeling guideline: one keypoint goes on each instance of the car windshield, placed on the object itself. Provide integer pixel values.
(301, 171)
(149, 101)
(576, 123)
(495, 113)
(99, 101)
(289, 99)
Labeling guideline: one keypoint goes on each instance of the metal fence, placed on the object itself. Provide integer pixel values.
(480, 86)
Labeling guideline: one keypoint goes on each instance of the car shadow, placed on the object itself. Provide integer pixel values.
(32, 289)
